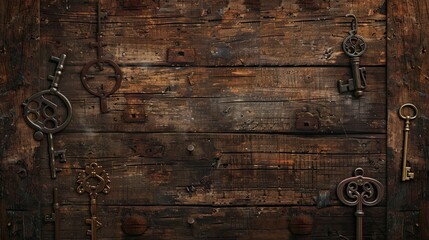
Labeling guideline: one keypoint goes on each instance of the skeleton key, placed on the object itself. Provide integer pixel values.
(54, 215)
(354, 46)
(40, 112)
(358, 191)
(406, 171)
(93, 180)
(100, 63)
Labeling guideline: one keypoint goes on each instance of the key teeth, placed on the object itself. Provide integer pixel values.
(61, 154)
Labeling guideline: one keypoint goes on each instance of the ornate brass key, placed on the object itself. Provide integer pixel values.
(359, 191)
(406, 171)
(93, 180)
(354, 46)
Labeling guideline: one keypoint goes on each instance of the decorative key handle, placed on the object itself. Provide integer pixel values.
(354, 46)
(358, 191)
(94, 70)
(93, 180)
(49, 112)
(406, 171)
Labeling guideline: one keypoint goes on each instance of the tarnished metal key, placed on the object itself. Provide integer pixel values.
(406, 170)
(93, 180)
(53, 217)
(42, 113)
(98, 66)
(359, 191)
(354, 46)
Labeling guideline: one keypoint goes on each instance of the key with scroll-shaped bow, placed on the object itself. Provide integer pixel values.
(354, 46)
(43, 112)
(359, 191)
(93, 180)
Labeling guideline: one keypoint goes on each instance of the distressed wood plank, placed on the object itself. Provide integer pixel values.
(19, 54)
(408, 71)
(150, 169)
(231, 38)
(171, 222)
(229, 100)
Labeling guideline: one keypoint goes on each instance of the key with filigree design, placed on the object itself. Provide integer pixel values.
(354, 46)
(359, 191)
(93, 180)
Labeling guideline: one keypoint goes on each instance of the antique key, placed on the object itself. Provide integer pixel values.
(41, 112)
(53, 217)
(93, 180)
(406, 171)
(354, 46)
(94, 68)
(358, 191)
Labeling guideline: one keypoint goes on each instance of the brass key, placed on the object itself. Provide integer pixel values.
(93, 180)
(406, 171)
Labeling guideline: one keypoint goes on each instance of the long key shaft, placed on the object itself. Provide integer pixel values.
(406, 170)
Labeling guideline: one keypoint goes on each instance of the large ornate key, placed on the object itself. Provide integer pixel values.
(406, 171)
(93, 180)
(354, 46)
(49, 112)
(101, 68)
(358, 191)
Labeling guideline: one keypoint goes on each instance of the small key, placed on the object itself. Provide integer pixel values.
(406, 171)
(354, 46)
(53, 217)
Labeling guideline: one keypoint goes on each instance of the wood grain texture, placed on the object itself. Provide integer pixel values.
(408, 71)
(19, 53)
(222, 33)
(227, 125)
(229, 100)
(224, 169)
(170, 222)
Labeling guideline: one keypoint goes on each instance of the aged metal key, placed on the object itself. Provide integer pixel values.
(53, 217)
(93, 180)
(97, 68)
(359, 191)
(406, 171)
(42, 113)
(354, 46)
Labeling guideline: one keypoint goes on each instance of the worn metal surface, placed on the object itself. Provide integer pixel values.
(354, 46)
(360, 191)
(42, 112)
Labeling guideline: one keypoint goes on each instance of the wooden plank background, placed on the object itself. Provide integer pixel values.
(408, 71)
(255, 67)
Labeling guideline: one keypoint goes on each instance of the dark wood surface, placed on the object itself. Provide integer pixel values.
(249, 86)
(408, 67)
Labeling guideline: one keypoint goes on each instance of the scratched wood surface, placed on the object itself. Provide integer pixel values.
(228, 123)
(408, 71)
(19, 78)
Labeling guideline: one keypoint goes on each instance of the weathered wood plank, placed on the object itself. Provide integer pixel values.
(150, 169)
(171, 222)
(408, 71)
(19, 54)
(229, 100)
(235, 36)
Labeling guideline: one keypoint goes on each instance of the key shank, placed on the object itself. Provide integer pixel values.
(406, 171)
